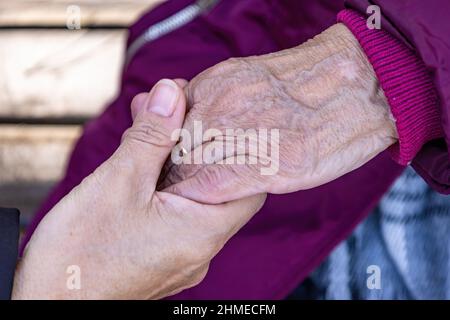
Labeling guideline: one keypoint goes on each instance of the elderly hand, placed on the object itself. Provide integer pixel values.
(323, 98)
(117, 234)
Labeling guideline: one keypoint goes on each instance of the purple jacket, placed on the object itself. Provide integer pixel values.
(292, 233)
(421, 26)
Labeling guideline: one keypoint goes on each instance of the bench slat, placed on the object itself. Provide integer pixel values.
(32, 159)
(68, 74)
(55, 12)
(31, 153)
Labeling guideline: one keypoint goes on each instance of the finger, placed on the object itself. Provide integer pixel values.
(181, 82)
(219, 183)
(139, 99)
(137, 103)
(149, 141)
(189, 98)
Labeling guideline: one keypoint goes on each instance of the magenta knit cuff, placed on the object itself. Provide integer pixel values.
(406, 84)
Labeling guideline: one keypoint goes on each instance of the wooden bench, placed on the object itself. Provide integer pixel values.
(52, 79)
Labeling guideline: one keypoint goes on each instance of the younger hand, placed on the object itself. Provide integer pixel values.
(126, 240)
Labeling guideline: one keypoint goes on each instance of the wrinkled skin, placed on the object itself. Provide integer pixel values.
(324, 98)
(128, 240)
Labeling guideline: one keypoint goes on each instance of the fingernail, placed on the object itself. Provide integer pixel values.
(163, 98)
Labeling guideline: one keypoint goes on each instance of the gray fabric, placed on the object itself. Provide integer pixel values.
(407, 237)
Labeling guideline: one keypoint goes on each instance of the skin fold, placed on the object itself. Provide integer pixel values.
(323, 97)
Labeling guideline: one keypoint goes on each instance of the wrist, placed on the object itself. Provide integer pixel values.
(42, 272)
(36, 280)
(346, 90)
(407, 85)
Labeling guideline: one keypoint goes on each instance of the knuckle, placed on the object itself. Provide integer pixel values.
(231, 64)
(201, 254)
(200, 275)
(199, 90)
(149, 132)
(193, 275)
(209, 246)
(211, 83)
(189, 92)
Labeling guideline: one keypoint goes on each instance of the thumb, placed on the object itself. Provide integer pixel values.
(157, 116)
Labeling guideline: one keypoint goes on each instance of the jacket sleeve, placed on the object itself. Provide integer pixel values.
(9, 238)
(411, 57)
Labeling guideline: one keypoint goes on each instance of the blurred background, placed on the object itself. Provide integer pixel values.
(53, 78)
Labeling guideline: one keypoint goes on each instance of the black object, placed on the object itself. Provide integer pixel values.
(9, 240)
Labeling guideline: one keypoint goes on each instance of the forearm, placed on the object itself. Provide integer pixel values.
(43, 272)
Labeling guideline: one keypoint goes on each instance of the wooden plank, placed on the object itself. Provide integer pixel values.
(58, 12)
(32, 159)
(68, 74)
(30, 154)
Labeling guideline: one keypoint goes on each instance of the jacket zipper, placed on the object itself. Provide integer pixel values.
(168, 25)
